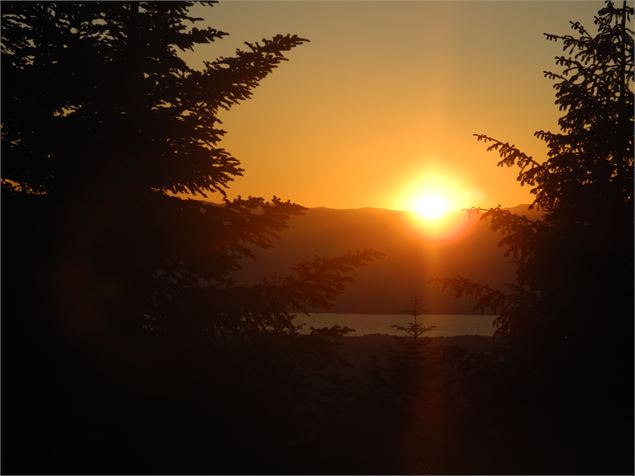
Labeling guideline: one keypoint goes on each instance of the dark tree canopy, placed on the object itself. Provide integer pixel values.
(575, 257)
(127, 344)
(103, 124)
(565, 327)
(97, 92)
(562, 367)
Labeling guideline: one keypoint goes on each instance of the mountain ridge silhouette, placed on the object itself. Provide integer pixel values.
(411, 259)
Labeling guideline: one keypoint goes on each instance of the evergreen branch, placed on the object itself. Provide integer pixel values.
(318, 281)
(531, 172)
(485, 298)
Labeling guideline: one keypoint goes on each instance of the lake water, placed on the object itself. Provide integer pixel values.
(446, 325)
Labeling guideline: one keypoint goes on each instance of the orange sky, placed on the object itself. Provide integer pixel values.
(383, 102)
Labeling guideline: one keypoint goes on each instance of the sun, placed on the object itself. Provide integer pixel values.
(431, 206)
(433, 199)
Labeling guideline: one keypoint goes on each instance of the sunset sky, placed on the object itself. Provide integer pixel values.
(381, 105)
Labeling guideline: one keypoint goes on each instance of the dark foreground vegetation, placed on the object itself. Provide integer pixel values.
(127, 348)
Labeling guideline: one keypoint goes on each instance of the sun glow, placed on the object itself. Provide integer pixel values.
(430, 206)
(435, 199)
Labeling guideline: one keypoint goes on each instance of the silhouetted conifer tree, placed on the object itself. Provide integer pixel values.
(565, 327)
(102, 121)
(120, 292)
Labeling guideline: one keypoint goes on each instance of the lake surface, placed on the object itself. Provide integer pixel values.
(446, 325)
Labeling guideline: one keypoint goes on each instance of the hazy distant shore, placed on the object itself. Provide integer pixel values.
(353, 312)
(439, 325)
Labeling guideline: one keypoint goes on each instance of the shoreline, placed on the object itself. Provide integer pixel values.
(378, 313)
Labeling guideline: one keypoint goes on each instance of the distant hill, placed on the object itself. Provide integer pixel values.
(390, 284)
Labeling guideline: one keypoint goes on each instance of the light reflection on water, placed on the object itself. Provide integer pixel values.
(445, 324)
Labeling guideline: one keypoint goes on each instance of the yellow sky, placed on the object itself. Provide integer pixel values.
(384, 100)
